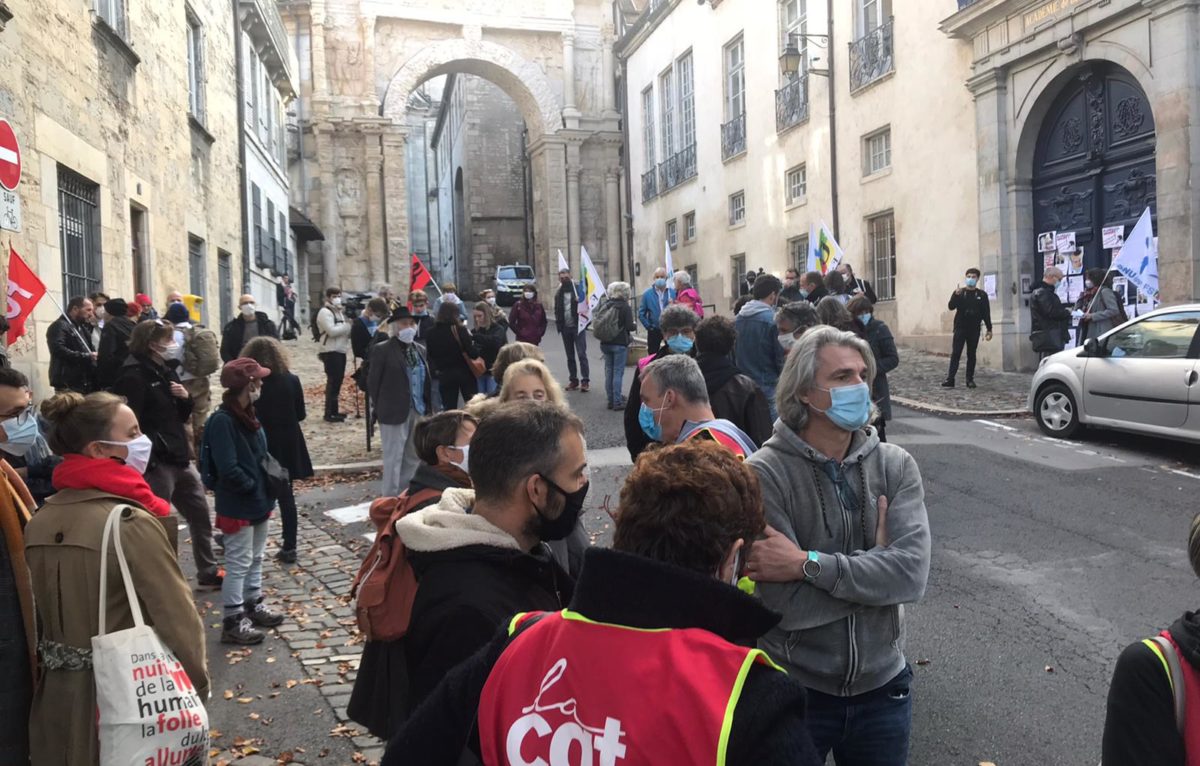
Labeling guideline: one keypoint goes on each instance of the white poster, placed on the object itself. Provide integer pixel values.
(989, 285)
(1112, 236)
(1064, 241)
(1046, 242)
(1072, 261)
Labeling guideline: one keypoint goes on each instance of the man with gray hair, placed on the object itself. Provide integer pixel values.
(675, 407)
(1050, 320)
(847, 544)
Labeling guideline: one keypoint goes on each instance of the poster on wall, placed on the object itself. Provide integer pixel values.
(1049, 260)
(1046, 242)
(1064, 241)
(1112, 236)
(989, 286)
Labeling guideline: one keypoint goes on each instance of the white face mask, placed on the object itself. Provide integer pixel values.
(528, 296)
(248, 309)
(491, 300)
(405, 335)
(466, 448)
(787, 340)
(337, 301)
(138, 452)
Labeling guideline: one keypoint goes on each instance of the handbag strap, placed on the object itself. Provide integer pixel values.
(1170, 659)
(112, 527)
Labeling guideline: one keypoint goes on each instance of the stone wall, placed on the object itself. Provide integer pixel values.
(117, 114)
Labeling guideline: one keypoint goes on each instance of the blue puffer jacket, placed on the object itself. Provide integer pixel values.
(757, 352)
(231, 463)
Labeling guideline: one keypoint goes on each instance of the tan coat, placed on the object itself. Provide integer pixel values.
(62, 545)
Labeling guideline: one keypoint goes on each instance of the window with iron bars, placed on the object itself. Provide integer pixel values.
(881, 239)
(79, 233)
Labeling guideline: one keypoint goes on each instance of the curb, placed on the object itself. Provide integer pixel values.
(936, 409)
(344, 468)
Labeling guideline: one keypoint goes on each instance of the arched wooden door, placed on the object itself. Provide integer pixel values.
(1094, 162)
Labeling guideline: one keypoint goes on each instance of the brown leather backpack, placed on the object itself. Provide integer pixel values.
(385, 585)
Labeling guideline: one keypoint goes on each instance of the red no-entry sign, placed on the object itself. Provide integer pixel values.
(10, 157)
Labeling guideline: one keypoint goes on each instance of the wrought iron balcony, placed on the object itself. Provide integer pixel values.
(733, 137)
(649, 185)
(872, 57)
(791, 103)
(678, 168)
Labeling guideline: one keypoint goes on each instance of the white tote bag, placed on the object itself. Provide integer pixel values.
(149, 711)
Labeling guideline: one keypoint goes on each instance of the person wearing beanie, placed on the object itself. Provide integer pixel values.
(231, 461)
(114, 342)
(146, 308)
(177, 313)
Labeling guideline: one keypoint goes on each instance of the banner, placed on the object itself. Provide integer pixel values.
(562, 263)
(825, 253)
(1138, 259)
(24, 292)
(593, 289)
(668, 262)
(420, 276)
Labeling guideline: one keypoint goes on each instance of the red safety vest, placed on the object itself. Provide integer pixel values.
(1190, 725)
(569, 691)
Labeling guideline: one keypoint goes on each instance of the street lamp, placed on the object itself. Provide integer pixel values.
(789, 60)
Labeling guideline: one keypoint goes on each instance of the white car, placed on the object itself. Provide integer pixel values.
(1143, 376)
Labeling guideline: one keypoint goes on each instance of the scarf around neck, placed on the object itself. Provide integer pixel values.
(108, 475)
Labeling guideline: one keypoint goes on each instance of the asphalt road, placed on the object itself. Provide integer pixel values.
(1048, 558)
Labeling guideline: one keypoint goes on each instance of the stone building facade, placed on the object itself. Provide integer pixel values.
(1085, 115)
(128, 126)
(361, 62)
(733, 159)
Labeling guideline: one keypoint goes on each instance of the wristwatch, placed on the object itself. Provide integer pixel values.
(812, 567)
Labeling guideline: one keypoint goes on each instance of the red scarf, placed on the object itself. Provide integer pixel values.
(108, 475)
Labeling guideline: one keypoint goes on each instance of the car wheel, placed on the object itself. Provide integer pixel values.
(1056, 412)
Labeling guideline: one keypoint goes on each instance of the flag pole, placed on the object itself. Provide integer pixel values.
(74, 329)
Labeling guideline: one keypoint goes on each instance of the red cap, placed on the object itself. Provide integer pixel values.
(143, 299)
(238, 373)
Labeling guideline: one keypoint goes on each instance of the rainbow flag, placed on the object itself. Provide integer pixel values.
(824, 252)
(593, 289)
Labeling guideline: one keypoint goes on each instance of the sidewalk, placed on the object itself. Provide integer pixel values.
(917, 383)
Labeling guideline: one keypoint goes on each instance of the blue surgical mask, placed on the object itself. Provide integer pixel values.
(660, 283)
(851, 406)
(21, 432)
(972, 281)
(680, 344)
(803, 293)
(865, 319)
(649, 426)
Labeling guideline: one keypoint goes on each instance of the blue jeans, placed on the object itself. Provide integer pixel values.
(870, 729)
(243, 567)
(487, 383)
(769, 392)
(614, 370)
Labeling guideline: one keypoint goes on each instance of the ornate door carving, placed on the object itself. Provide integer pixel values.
(1094, 162)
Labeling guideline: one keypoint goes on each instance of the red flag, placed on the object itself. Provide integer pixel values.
(420, 276)
(24, 292)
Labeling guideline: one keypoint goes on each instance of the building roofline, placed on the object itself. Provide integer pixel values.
(641, 30)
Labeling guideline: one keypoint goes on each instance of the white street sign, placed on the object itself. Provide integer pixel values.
(10, 210)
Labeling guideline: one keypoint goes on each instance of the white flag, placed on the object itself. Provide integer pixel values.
(562, 263)
(1138, 261)
(593, 289)
(668, 263)
(824, 253)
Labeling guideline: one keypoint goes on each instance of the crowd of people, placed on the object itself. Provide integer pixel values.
(750, 608)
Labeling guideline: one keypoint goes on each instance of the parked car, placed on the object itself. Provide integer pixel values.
(511, 280)
(1143, 376)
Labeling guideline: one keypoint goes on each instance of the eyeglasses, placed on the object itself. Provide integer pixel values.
(22, 416)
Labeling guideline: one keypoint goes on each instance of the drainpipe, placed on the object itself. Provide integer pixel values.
(627, 216)
(527, 192)
(247, 229)
(304, 309)
(833, 165)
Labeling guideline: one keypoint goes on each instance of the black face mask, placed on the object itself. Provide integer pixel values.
(559, 528)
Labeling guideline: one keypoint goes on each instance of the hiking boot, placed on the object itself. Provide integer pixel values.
(286, 556)
(947, 384)
(263, 617)
(583, 389)
(970, 384)
(239, 630)
(573, 385)
(209, 579)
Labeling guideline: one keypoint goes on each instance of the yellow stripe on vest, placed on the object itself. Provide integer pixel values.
(1154, 647)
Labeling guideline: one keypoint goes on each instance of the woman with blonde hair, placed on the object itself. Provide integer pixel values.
(280, 409)
(530, 379)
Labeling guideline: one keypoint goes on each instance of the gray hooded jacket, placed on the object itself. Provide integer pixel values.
(844, 634)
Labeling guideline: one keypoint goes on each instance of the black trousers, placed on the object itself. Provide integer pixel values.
(451, 386)
(970, 339)
(287, 515)
(653, 341)
(335, 373)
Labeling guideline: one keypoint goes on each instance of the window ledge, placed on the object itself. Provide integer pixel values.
(878, 174)
(739, 225)
(868, 85)
(801, 202)
(114, 38)
(199, 129)
(733, 157)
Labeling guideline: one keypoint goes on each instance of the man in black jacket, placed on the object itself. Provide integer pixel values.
(481, 556)
(114, 342)
(152, 389)
(971, 308)
(1050, 320)
(732, 395)
(566, 317)
(250, 323)
(812, 287)
(666, 590)
(72, 359)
